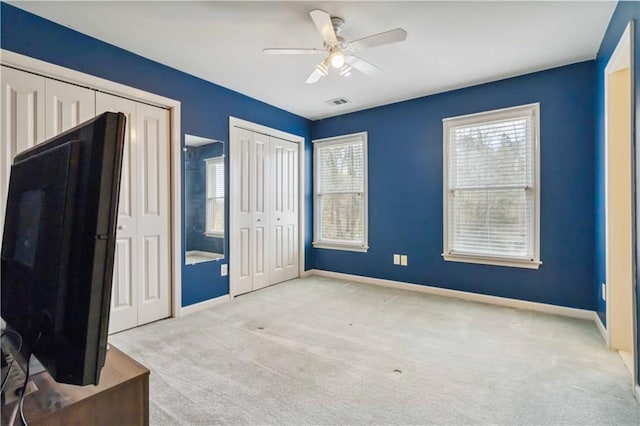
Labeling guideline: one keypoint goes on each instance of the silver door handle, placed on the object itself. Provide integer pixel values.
(121, 227)
(259, 220)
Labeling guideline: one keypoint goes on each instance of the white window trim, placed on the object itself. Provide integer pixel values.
(213, 160)
(505, 113)
(339, 245)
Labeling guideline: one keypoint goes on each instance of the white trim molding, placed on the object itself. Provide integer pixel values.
(205, 305)
(473, 297)
(46, 69)
(601, 328)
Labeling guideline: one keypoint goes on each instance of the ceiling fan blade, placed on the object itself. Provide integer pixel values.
(323, 23)
(285, 51)
(362, 65)
(314, 77)
(322, 69)
(387, 37)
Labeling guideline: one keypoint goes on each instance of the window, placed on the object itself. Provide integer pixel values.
(491, 187)
(215, 197)
(340, 193)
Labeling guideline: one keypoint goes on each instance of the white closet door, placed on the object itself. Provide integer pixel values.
(284, 218)
(241, 273)
(67, 106)
(264, 210)
(124, 294)
(261, 196)
(22, 122)
(152, 150)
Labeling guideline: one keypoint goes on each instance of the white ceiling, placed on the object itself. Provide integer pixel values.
(449, 44)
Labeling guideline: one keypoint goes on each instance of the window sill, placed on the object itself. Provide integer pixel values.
(344, 247)
(214, 234)
(494, 261)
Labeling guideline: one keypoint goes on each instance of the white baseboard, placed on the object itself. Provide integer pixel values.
(307, 273)
(601, 327)
(186, 310)
(475, 297)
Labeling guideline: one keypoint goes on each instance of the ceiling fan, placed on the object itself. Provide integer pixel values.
(338, 50)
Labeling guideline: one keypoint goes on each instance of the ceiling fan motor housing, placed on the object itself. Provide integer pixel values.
(337, 23)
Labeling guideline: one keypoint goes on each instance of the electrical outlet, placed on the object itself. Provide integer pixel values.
(396, 259)
(223, 270)
(604, 292)
(403, 260)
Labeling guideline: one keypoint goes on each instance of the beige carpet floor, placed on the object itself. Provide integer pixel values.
(323, 351)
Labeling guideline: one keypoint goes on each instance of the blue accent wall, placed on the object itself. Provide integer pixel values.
(406, 184)
(625, 11)
(205, 107)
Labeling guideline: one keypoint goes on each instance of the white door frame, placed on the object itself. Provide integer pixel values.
(258, 128)
(45, 69)
(621, 58)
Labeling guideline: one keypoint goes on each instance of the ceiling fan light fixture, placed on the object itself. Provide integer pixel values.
(337, 58)
(322, 69)
(345, 71)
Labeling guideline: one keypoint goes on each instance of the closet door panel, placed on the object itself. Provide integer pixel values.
(67, 106)
(277, 225)
(290, 212)
(284, 217)
(124, 298)
(261, 212)
(22, 121)
(152, 181)
(241, 200)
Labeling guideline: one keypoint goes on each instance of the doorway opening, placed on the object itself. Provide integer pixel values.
(619, 208)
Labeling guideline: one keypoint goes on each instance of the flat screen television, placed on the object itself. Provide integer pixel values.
(58, 247)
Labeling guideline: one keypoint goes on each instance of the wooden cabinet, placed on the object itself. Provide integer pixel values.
(121, 398)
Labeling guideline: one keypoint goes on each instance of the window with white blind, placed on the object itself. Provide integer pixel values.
(491, 187)
(340, 192)
(215, 197)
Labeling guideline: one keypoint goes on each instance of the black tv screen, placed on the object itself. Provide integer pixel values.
(58, 247)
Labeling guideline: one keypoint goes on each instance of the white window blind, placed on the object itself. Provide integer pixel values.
(491, 190)
(340, 213)
(215, 196)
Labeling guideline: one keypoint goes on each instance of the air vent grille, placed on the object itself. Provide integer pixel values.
(337, 101)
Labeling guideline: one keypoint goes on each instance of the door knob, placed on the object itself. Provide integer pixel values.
(121, 227)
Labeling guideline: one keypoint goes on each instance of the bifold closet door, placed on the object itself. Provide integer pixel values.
(22, 122)
(264, 190)
(140, 292)
(66, 106)
(284, 210)
(36, 108)
(250, 168)
(124, 294)
(152, 180)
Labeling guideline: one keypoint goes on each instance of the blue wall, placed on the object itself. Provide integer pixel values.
(405, 189)
(206, 107)
(625, 12)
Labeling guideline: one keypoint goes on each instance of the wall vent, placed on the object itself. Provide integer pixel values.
(337, 101)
